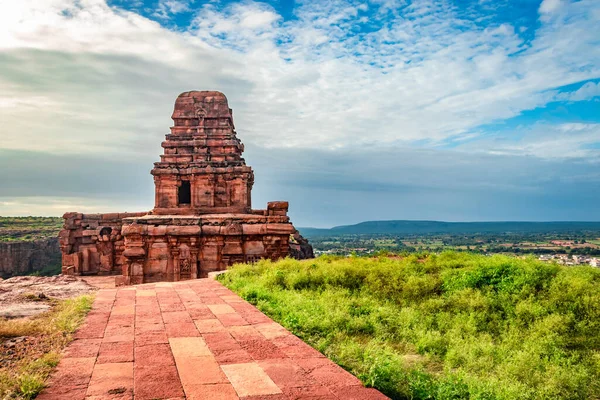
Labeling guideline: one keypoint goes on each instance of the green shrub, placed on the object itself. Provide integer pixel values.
(449, 326)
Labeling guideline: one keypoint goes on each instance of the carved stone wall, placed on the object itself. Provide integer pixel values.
(92, 244)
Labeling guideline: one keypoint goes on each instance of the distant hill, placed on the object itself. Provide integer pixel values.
(402, 227)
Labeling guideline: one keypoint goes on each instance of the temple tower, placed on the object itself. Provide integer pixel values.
(202, 170)
(202, 220)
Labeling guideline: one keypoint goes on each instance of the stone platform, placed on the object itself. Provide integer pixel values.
(192, 340)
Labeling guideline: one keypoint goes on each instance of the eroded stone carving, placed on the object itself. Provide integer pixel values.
(202, 220)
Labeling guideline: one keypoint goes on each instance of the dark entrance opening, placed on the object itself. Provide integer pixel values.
(185, 193)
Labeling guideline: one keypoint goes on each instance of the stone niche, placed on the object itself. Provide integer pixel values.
(202, 220)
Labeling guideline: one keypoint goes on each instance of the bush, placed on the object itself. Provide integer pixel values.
(448, 326)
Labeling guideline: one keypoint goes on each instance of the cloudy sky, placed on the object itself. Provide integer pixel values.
(383, 109)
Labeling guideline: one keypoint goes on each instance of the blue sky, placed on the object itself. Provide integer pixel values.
(382, 109)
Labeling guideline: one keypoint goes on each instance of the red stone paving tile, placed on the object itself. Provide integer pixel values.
(146, 301)
(286, 373)
(145, 293)
(221, 391)
(232, 319)
(153, 354)
(123, 319)
(262, 349)
(123, 310)
(115, 395)
(164, 289)
(63, 392)
(102, 300)
(115, 352)
(156, 382)
(232, 356)
(172, 307)
(199, 371)
(219, 309)
(188, 298)
(176, 317)
(271, 330)
(125, 337)
(189, 347)
(150, 337)
(90, 331)
(102, 297)
(358, 393)
(118, 333)
(199, 313)
(196, 304)
(149, 327)
(83, 348)
(102, 307)
(147, 309)
(255, 317)
(266, 397)
(153, 317)
(308, 392)
(148, 319)
(220, 341)
(108, 379)
(294, 347)
(118, 325)
(209, 325)
(98, 316)
(212, 300)
(72, 372)
(181, 329)
(249, 380)
(312, 363)
(327, 373)
(168, 298)
(242, 306)
(245, 332)
(124, 301)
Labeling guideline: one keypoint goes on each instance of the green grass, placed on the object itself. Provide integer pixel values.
(18, 229)
(449, 326)
(24, 378)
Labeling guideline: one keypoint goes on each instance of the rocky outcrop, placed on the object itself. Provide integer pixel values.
(300, 248)
(24, 258)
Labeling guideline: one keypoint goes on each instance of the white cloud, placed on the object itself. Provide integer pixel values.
(562, 141)
(57, 206)
(167, 8)
(253, 19)
(98, 78)
(549, 6)
(587, 91)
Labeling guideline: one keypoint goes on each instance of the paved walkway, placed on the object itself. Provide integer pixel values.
(192, 340)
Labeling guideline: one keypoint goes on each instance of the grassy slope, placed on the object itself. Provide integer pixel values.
(24, 378)
(448, 326)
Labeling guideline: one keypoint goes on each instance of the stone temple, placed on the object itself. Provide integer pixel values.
(202, 220)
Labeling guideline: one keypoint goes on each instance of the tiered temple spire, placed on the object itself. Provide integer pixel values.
(202, 170)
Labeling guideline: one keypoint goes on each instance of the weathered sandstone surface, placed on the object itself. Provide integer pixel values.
(23, 296)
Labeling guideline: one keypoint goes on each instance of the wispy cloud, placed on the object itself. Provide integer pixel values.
(587, 91)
